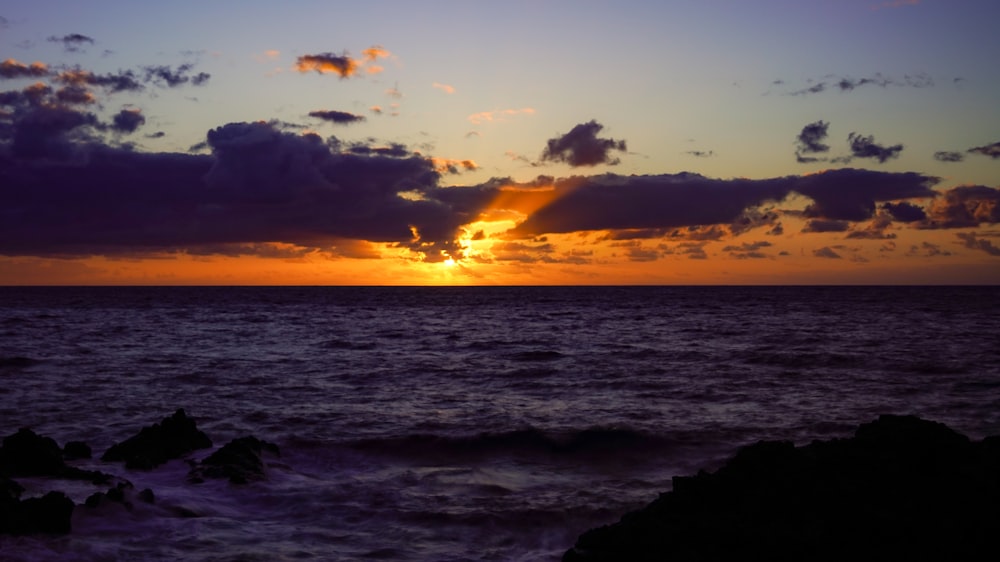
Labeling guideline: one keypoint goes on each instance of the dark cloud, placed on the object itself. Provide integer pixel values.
(342, 65)
(944, 156)
(964, 206)
(810, 141)
(582, 147)
(163, 75)
(75, 95)
(904, 212)
(338, 117)
(73, 42)
(11, 68)
(128, 121)
(826, 225)
(701, 153)
(156, 135)
(875, 230)
(991, 150)
(123, 81)
(748, 250)
(683, 200)
(848, 84)
(865, 147)
(826, 252)
(970, 241)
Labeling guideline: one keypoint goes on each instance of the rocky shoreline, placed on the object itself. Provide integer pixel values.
(902, 488)
(26, 454)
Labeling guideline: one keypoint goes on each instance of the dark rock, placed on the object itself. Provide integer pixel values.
(10, 491)
(901, 488)
(240, 460)
(50, 513)
(73, 450)
(147, 496)
(27, 454)
(154, 445)
(117, 494)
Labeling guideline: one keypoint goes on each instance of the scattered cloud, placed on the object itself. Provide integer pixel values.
(701, 153)
(991, 150)
(128, 121)
(582, 147)
(73, 42)
(448, 89)
(810, 141)
(826, 225)
(866, 147)
(826, 252)
(970, 241)
(11, 68)
(848, 84)
(447, 165)
(337, 117)
(904, 212)
(945, 156)
(328, 63)
(269, 55)
(394, 93)
(165, 76)
(490, 116)
(964, 206)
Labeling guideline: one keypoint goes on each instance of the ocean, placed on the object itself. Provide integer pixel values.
(461, 423)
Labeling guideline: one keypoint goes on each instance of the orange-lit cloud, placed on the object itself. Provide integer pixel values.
(11, 68)
(446, 88)
(328, 63)
(447, 165)
(491, 116)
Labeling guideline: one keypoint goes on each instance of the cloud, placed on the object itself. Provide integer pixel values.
(964, 206)
(683, 200)
(11, 68)
(904, 212)
(810, 140)
(447, 165)
(582, 147)
(848, 84)
(338, 117)
(826, 225)
(376, 109)
(448, 89)
(490, 116)
(128, 120)
(944, 156)
(123, 81)
(826, 252)
(375, 52)
(748, 250)
(991, 150)
(970, 241)
(73, 42)
(865, 147)
(165, 76)
(328, 63)
(701, 153)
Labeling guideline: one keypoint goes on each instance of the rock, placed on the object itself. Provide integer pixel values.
(27, 454)
(50, 513)
(154, 445)
(73, 450)
(901, 488)
(240, 460)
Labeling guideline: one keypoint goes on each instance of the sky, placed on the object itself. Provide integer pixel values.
(500, 143)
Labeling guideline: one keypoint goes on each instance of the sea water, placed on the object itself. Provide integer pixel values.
(490, 423)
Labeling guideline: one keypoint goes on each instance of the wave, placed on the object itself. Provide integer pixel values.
(529, 441)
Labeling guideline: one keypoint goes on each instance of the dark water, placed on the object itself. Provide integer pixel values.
(463, 423)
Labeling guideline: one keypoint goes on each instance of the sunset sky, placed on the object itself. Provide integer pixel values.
(519, 142)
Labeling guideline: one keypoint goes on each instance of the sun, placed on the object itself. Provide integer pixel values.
(450, 262)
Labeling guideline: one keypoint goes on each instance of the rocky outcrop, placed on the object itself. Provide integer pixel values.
(241, 461)
(154, 445)
(901, 489)
(26, 453)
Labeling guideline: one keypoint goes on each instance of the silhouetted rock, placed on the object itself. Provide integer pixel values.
(901, 489)
(27, 454)
(48, 514)
(154, 445)
(240, 460)
(73, 450)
